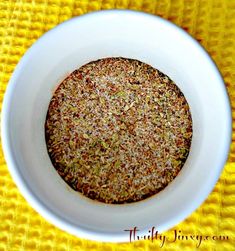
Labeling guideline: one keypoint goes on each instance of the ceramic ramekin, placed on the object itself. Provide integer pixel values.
(118, 33)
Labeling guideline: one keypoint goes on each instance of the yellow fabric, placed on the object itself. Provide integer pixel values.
(212, 23)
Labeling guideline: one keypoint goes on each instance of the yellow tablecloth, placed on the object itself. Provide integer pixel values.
(212, 23)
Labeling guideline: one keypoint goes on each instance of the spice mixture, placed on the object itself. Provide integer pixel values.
(118, 130)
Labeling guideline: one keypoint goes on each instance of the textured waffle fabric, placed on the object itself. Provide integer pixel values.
(212, 23)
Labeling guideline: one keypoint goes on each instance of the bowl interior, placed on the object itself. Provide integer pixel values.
(91, 37)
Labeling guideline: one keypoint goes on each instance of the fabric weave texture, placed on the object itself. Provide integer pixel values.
(212, 23)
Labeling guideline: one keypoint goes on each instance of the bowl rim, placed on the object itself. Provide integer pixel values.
(33, 199)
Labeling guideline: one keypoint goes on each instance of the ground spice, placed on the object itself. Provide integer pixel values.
(118, 130)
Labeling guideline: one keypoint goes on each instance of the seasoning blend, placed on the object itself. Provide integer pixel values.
(118, 130)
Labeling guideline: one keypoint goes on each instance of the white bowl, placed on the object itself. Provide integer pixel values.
(114, 33)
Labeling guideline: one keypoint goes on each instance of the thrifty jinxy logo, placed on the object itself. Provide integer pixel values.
(171, 237)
